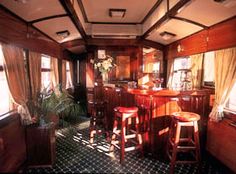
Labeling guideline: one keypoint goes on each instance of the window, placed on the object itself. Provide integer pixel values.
(45, 69)
(231, 104)
(5, 102)
(209, 69)
(179, 63)
(68, 76)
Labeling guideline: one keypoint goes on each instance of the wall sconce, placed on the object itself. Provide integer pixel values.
(179, 48)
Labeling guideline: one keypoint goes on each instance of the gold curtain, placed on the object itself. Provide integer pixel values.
(225, 78)
(71, 72)
(170, 69)
(196, 68)
(14, 67)
(35, 73)
(54, 72)
(63, 73)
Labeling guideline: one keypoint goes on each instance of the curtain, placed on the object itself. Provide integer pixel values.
(71, 72)
(225, 78)
(63, 73)
(54, 72)
(14, 67)
(35, 73)
(170, 69)
(196, 68)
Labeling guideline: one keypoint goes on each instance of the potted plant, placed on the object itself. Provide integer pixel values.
(54, 104)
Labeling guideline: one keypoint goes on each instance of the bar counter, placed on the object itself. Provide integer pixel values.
(155, 109)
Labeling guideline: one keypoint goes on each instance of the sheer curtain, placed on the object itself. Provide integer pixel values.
(196, 68)
(35, 73)
(63, 78)
(54, 75)
(225, 77)
(16, 76)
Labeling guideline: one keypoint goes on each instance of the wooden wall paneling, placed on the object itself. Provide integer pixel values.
(196, 43)
(219, 36)
(221, 140)
(14, 31)
(12, 142)
(222, 35)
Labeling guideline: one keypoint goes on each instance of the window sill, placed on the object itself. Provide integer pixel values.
(230, 114)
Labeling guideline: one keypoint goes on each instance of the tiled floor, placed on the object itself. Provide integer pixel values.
(74, 154)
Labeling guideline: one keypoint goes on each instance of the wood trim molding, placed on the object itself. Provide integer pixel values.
(152, 10)
(171, 12)
(25, 22)
(75, 19)
(73, 43)
(81, 6)
(189, 21)
(48, 17)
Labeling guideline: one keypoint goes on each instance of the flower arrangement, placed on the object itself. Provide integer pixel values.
(104, 65)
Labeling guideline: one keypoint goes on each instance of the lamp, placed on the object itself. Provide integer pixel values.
(117, 13)
(63, 34)
(167, 35)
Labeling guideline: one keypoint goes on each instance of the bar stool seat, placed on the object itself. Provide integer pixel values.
(123, 117)
(189, 144)
(98, 120)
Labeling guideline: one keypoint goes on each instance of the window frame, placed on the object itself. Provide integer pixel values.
(45, 70)
(205, 84)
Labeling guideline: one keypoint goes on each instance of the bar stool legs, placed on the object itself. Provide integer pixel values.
(175, 142)
(98, 123)
(122, 118)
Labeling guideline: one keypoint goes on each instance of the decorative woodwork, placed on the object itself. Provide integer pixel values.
(219, 36)
(68, 6)
(222, 35)
(14, 31)
(41, 149)
(157, 107)
(221, 140)
(12, 143)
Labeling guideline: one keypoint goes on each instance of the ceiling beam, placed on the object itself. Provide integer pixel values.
(152, 44)
(48, 17)
(156, 5)
(172, 12)
(68, 6)
(112, 42)
(189, 21)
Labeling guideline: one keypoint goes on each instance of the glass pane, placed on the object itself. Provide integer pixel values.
(45, 62)
(232, 99)
(67, 66)
(181, 63)
(1, 56)
(209, 65)
(4, 93)
(45, 79)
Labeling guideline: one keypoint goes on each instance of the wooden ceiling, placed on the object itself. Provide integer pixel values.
(87, 21)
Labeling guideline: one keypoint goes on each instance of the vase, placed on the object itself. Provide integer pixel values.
(105, 78)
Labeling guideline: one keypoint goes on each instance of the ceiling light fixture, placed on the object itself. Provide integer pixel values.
(63, 34)
(117, 13)
(167, 35)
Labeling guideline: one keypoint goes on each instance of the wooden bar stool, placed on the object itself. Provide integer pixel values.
(188, 144)
(98, 120)
(123, 118)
